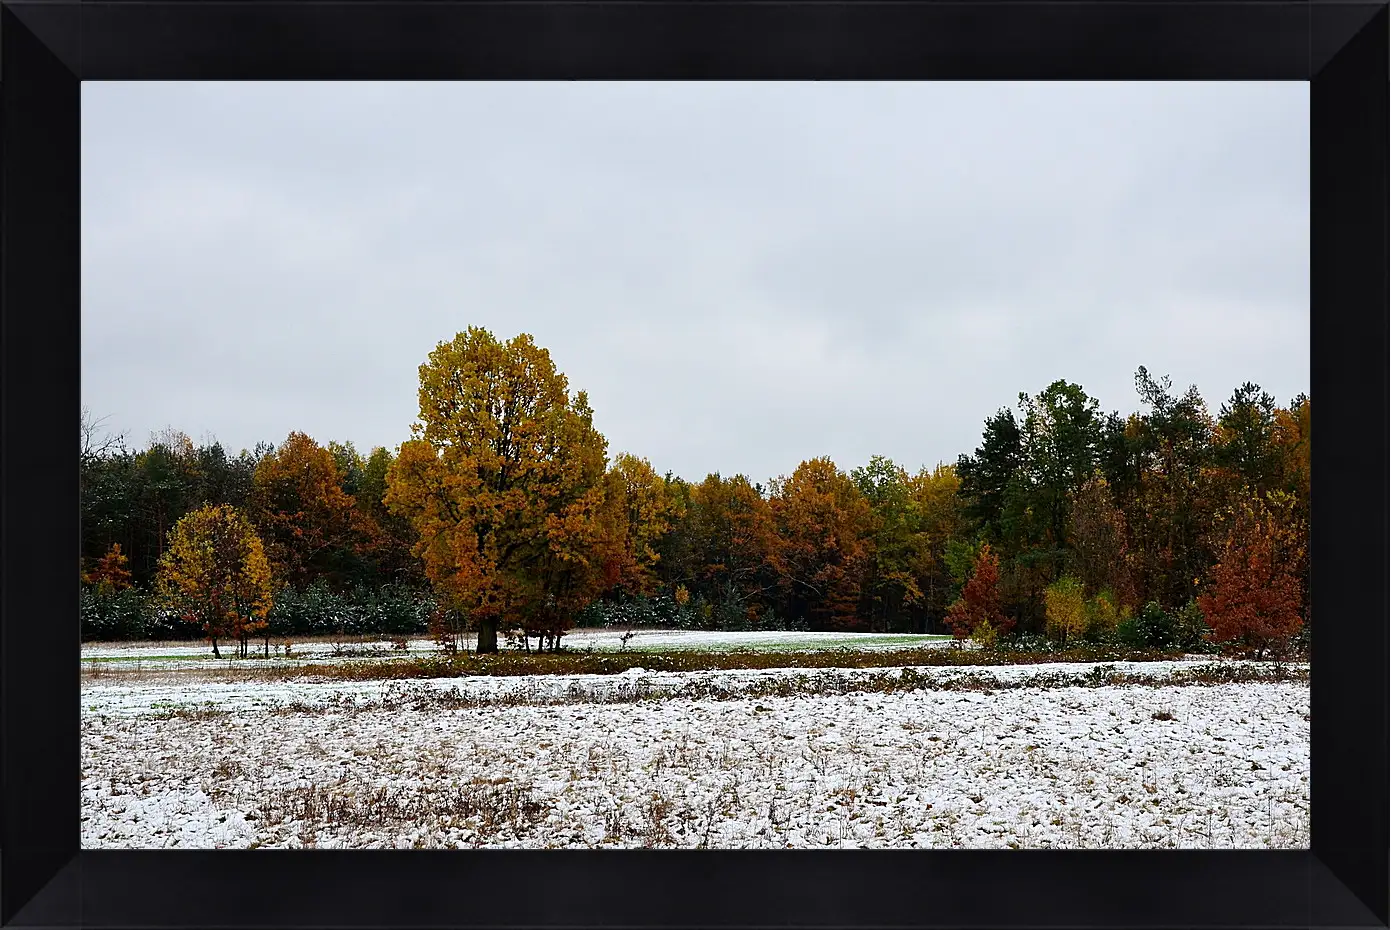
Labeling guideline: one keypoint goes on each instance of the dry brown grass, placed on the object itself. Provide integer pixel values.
(612, 663)
(489, 807)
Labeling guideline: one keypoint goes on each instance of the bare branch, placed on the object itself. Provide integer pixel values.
(96, 442)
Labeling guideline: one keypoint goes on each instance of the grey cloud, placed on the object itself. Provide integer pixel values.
(741, 275)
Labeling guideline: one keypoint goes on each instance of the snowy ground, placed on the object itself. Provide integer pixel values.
(664, 640)
(146, 659)
(1023, 756)
(174, 693)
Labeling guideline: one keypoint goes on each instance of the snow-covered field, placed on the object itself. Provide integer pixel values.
(156, 654)
(174, 693)
(1024, 756)
(663, 640)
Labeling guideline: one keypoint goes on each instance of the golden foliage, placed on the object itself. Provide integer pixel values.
(1105, 612)
(1066, 606)
(732, 530)
(937, 496)
(638, 510)
(503, 483)
(985, 635)
(824, 531)
(215, 572)
(1292, 439)
(299, 504)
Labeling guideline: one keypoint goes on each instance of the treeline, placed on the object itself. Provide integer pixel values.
(504, 511)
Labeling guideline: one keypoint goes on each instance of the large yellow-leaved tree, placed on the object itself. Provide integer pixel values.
(504, 484)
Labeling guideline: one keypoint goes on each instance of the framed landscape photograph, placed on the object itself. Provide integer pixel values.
(699, 502)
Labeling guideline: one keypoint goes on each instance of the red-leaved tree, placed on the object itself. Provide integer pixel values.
(1255, 596)
(980, 599)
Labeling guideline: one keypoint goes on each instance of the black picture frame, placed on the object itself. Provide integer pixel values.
(47, 48)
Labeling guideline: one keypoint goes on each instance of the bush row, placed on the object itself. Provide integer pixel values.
(1151, 627)
(663, 611)
(132, 614)
(395, 610)
(128, 614)
(392, 610)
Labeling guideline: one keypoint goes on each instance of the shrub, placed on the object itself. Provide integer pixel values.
(394, 610)
(661, 611)
(1067, 612)
(668, 611)
(109, 614)
(1025, 644)
(985, 636)
(1104, 614)
(130, 613)
(1156, 628)
(1152, 628)
(1191, 630)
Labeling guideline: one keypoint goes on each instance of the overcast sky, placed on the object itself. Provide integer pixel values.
(742, 276)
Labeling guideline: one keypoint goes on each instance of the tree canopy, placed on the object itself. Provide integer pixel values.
(505, 505)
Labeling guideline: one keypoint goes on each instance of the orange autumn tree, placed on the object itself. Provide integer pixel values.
(979, 604)
(825, 526)
(306, 518)
(214, 572)
(503, 483)
(1255, 594)
(638, 511)
(732, 539)
(111, 573)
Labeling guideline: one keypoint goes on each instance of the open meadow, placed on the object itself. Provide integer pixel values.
(192, 752)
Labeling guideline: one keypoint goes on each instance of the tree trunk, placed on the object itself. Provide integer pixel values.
(487, 635)
(267, 647)
(216, 654)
